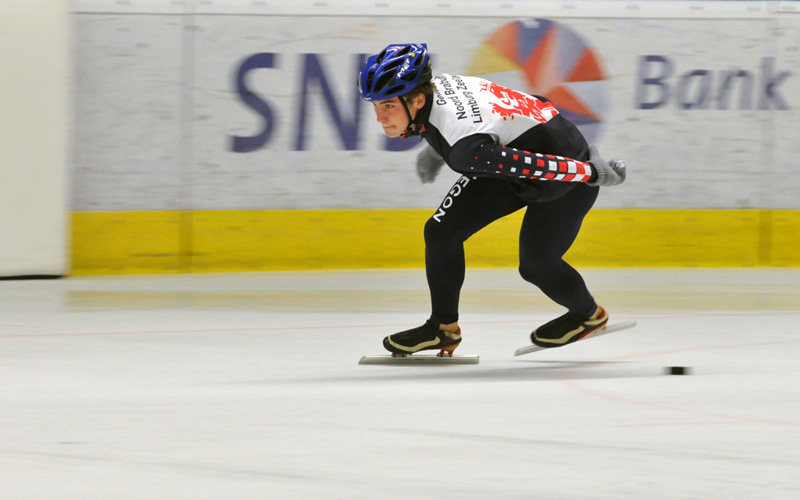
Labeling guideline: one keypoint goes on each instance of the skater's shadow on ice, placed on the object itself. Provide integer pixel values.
(533, 371)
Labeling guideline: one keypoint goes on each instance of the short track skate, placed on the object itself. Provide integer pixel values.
(622, 325)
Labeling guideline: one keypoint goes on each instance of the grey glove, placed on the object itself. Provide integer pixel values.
(608, 174)
(428, 164)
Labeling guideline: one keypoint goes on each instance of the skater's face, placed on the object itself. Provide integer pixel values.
(393, 117)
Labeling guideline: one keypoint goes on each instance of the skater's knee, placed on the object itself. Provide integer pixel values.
(537, 272)
(529, 273)
(431, 232)
(438, 234)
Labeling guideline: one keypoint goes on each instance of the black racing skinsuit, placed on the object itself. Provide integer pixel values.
(514, 151)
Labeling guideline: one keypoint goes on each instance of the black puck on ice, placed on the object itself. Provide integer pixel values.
(677, 370)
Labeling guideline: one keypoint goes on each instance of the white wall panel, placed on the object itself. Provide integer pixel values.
(664, 9)
(128, 98)
(34, 136)
(140, 148)
(781, 146)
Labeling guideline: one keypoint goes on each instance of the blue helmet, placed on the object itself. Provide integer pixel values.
(397, 70)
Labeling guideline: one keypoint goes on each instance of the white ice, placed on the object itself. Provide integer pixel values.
(246, 386)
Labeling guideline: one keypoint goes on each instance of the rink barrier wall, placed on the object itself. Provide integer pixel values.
(275, 240)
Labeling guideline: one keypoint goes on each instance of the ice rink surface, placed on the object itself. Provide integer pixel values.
(246, 386)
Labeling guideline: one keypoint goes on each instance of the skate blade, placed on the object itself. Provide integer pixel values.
(622, 325)
(420, 359)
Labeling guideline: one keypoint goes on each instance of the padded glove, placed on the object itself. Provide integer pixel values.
(608, 173)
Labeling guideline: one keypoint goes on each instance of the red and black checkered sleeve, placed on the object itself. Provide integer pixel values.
(484, 158)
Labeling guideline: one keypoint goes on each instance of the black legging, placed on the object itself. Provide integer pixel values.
(548, 230)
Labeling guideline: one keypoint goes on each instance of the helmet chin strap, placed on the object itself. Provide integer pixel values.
(407, 132)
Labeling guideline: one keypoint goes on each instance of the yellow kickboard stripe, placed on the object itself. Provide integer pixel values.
(269, 240)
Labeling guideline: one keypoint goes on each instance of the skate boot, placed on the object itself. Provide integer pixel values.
(567, 328)
(427, 336)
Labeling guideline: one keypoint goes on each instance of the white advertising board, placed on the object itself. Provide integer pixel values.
(215, 109)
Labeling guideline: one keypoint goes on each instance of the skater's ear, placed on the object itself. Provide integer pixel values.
(415, 102)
